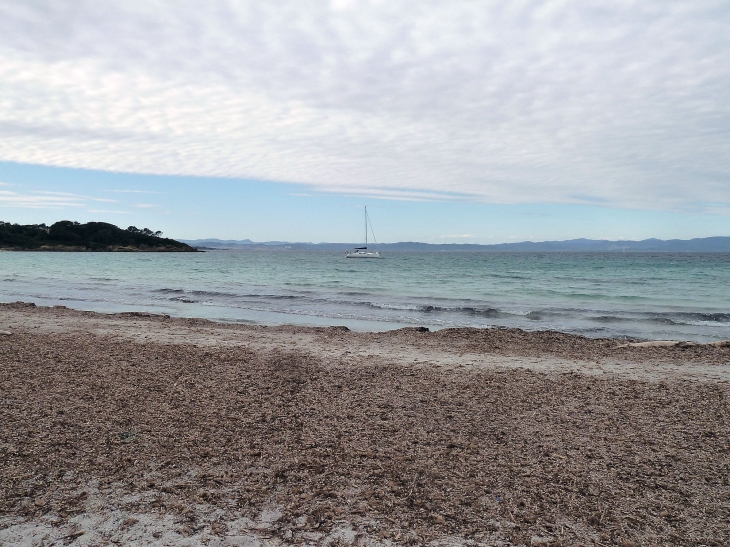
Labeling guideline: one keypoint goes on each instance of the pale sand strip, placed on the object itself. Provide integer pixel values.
(337, 346)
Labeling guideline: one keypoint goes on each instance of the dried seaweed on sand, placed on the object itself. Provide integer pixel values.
(403, 454)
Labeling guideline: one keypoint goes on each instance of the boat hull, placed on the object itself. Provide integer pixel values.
(363, 255)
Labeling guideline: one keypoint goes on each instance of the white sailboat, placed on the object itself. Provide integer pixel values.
(362, 252)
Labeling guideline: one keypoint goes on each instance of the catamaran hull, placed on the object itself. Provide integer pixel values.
(363, 255)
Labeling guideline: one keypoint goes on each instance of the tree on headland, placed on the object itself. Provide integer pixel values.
(92, 236)
(145, 231)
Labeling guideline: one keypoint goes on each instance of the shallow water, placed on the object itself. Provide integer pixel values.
(675, 296)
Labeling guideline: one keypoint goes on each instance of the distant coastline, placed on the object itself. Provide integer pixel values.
(69, 236)
(697, 245)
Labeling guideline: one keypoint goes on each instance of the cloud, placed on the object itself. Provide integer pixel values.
(458, 236)
(401, 195)
(145, 205)
(621, 103)
(35, 201)
(73, 196)
(135, 191)
(48, 200)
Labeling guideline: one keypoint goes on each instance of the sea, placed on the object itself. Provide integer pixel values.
(626, 295)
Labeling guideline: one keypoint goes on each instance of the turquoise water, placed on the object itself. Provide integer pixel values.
(655, 296)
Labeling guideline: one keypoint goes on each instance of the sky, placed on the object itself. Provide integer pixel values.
(461, 121)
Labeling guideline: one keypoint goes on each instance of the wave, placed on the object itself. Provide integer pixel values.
(366, 305)
(277, 296)
(612, 319)
(692, 318)
(212, 293)
(430, 308)
(468, 310)
(360, 304)
(506, 276)
(228, 294)
(674, 318)
(709, 317)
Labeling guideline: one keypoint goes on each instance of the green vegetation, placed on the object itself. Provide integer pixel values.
(92, 236)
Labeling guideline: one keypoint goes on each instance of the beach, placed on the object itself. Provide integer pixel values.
(145, 429)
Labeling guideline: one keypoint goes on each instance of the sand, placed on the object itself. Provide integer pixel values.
(134, 429)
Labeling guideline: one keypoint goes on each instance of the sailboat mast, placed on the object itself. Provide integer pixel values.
(366, 225)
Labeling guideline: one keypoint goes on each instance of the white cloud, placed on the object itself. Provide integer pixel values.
(402, 195)
(35, 201)
(459, 236)
(134, 191)
(621, 103)
(73, 196)
(48, 200)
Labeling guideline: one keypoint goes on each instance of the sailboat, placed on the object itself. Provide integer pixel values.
(362, 252)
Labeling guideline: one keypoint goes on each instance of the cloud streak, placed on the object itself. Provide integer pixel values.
(35, 201)
(49, 200)
(620, 103)
(134, 192)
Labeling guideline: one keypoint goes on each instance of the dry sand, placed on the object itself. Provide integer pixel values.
(133, 429)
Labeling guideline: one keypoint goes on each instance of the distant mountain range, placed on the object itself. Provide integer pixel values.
(698, 245)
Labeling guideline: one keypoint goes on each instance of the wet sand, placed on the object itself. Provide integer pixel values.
(134, 429)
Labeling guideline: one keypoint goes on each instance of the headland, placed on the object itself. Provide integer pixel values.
(92, 236)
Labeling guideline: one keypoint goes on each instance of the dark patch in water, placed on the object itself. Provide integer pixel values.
(211, 293)
(611, 319)
(714, 317)
(264, 296)
(481, 312)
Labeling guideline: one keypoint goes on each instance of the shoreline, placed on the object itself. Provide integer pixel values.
(466, 343)
(272, 318)
(142, 429)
